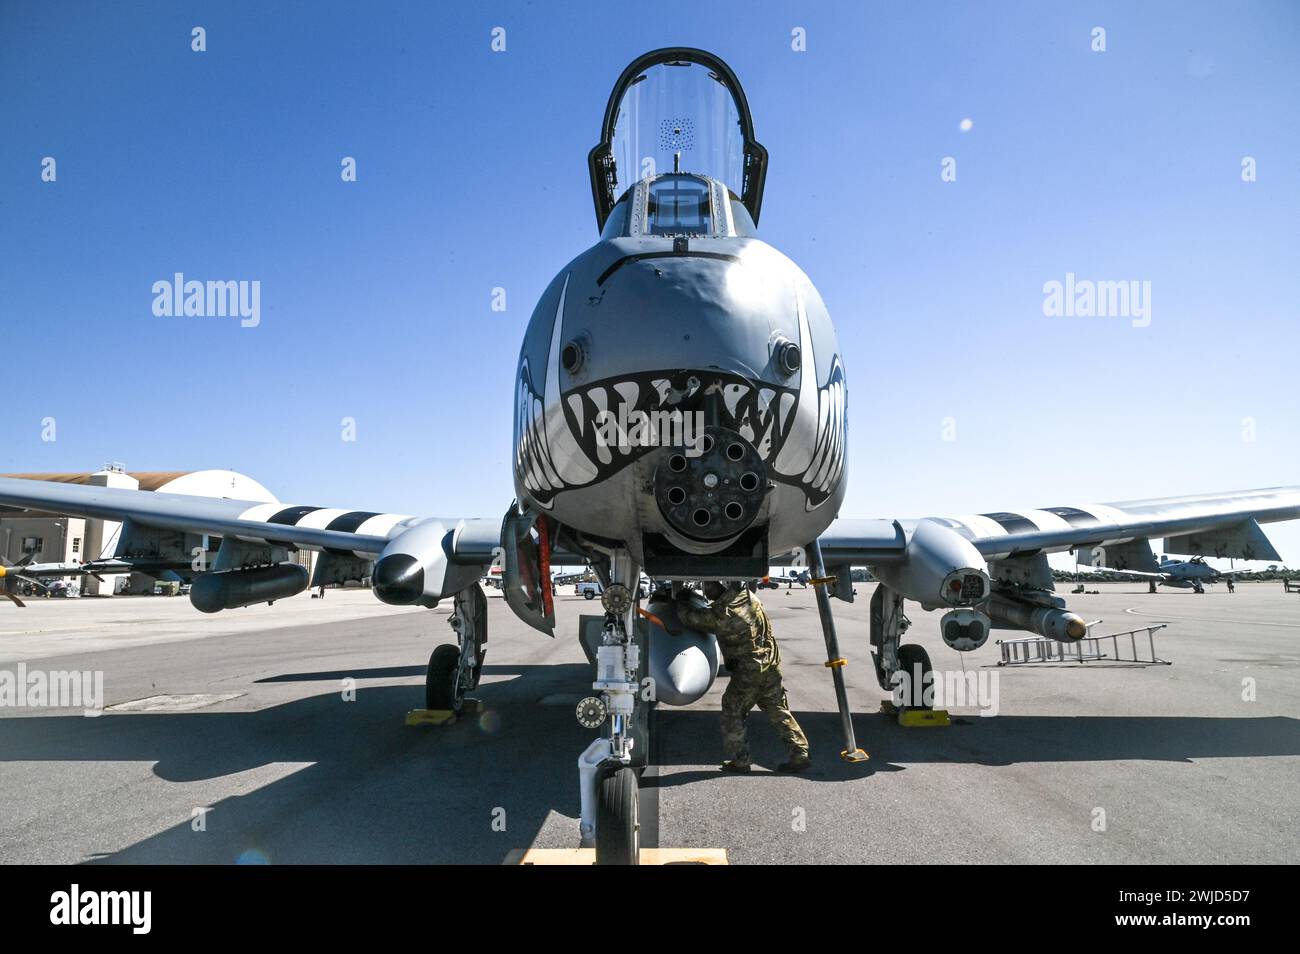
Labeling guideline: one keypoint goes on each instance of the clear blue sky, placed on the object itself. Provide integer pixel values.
(376, 294)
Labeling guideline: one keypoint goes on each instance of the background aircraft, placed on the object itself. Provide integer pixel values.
(31, 576)
(1191, 574)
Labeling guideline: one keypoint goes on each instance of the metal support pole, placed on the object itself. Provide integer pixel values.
(834, 662)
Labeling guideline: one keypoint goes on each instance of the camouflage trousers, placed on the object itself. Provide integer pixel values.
(749, 688)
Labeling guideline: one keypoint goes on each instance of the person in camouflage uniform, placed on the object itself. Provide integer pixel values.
(744, 632)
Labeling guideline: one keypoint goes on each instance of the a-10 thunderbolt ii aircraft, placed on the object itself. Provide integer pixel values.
(30, 575)
(680, 409)
(1191, 574)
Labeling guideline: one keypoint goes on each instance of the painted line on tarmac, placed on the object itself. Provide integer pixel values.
(1137, 611)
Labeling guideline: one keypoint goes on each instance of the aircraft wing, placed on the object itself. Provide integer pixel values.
(362, 532)
(1219, 525)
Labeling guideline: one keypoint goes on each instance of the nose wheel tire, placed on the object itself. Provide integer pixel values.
(910, 656)
(618, 819)
(443, 686)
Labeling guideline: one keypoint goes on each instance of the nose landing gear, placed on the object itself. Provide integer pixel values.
(618, 817)
(607, 779)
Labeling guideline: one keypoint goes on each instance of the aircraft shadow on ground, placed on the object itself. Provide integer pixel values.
(690, 737)
(376, 791)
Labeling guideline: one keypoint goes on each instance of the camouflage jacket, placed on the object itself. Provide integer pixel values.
(741, 625)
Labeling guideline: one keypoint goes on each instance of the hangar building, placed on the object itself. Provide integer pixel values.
(53, 538)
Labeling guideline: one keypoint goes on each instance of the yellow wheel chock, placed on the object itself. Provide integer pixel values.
(923, 718)
(430, 717)
(417, 717)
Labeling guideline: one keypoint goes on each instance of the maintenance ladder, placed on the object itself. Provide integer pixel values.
(1037, 649)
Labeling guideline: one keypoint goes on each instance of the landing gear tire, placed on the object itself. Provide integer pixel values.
(910, 655)
(443, 688)
(618, 818)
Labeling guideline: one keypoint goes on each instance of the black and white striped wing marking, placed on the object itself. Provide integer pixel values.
(362, 532)
(1001, 534)
(296, 519)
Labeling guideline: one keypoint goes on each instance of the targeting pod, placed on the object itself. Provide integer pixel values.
(964, 629)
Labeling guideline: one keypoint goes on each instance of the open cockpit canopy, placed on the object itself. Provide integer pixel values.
(677, 110)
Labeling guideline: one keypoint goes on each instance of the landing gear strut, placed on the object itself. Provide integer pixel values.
(888, 624)
(455, 670)
(606, 777)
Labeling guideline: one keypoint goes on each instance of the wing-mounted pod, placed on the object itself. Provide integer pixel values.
(941, 569)
(1023, 596)
(677, 109)
(526, 574)
(416, 567)
(683, 665)
(244, 573)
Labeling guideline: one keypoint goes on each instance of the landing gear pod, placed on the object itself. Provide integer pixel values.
(942, 569)
(677, 110)
(415, 569)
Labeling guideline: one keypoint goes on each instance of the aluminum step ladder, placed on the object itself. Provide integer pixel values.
(1038, 649)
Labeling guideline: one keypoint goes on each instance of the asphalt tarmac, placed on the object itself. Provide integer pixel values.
(275, 734)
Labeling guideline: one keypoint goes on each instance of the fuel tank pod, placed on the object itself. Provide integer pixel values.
(682, 666)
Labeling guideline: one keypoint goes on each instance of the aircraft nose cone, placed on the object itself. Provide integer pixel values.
(398, 579)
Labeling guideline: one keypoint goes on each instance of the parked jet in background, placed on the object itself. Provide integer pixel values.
(30, 575)
(1190, 574)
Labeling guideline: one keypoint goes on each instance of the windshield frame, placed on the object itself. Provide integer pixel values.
(600, 161)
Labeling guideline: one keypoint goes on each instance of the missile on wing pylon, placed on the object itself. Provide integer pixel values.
(1053, 622)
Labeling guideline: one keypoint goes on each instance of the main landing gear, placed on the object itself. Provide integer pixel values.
(900, 669)
(455, 670)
